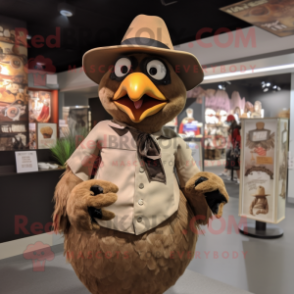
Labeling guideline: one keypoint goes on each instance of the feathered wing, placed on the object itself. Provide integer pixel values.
(199, 189)
(62, 192)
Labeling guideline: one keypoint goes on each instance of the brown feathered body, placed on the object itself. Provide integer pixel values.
(113, 262)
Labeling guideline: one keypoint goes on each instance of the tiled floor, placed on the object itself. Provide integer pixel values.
(17, 277)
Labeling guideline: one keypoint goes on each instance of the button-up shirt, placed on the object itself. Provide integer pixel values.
(142, 204)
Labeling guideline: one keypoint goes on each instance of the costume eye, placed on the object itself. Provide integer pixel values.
(122, 67)
(156, 69)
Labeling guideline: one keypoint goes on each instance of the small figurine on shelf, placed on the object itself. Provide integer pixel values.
(247, 110)
(257, 110)
(189, 125)
(259, 205)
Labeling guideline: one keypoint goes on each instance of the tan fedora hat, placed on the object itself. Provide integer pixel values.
(146, 34)
(260, 192)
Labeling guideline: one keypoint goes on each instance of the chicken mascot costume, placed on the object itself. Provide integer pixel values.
(132, 196)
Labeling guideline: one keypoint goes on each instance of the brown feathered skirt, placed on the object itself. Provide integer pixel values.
(112, 262)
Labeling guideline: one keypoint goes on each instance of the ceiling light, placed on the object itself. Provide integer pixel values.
(249, 71)
(276, 88)
(66, 13)
(66, 9)
(168, 2)
(268, 84)
(265, 89)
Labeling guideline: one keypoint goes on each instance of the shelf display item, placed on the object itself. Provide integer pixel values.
(76, 118)
(63, 129)
(189, 125)
(216, 134)
(248, 109)
(257, 110)
(259, 205)
(222, 115)
(210, 116)
(264, 169)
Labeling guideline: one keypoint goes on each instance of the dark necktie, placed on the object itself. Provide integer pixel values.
(149, 152)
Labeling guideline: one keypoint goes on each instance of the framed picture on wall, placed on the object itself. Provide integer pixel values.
(13, 136)
(13, 102)
(13, 77)
(40, 103)
(46, 135)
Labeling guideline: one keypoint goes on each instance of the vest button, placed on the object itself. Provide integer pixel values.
(141, 169)
(141, 202)
(141, 186)
(139, 219)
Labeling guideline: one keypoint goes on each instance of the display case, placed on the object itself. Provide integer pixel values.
(76, 119)
(263, 173)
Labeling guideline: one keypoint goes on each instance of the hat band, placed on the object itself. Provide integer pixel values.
(141, 41)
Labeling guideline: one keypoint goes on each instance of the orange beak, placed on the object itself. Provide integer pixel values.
(138, 97)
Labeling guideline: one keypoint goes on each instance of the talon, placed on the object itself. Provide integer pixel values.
(214, 199)
(200, 180)
(96, 190)
(95, 213)
(214, 209)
